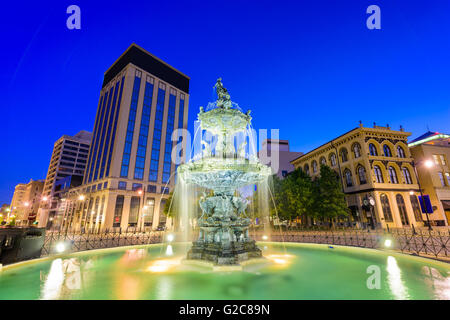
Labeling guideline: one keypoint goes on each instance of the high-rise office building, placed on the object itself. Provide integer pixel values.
(68, 161)
(130, 168)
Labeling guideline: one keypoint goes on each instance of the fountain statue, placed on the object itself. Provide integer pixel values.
(223, 169)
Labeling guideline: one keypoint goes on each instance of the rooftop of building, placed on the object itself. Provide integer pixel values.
(375, 129)
(283, 146)
(82, 136)
(149, 63)
(429, 137)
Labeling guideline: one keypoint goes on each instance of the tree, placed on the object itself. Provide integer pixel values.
(329, 200)
(293, 196)
(299, 191)
(283, 207)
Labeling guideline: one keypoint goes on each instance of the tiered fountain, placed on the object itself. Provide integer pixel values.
(223, 169)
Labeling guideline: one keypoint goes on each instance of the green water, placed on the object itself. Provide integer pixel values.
(294, 271)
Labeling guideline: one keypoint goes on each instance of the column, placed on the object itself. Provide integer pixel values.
(125, 212)
(110, 204)
(394, 209)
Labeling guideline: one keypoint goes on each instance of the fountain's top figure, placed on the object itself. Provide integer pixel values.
(223, 119)
(223, 97)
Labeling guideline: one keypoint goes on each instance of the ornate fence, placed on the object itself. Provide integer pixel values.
(427, 243)
(74, 242)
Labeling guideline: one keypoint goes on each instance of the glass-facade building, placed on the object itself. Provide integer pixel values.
(130, 170)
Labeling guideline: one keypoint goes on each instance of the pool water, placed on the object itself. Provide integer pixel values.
(292, 271)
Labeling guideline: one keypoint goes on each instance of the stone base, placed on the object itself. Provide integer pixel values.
(225, 268)
(233, 254)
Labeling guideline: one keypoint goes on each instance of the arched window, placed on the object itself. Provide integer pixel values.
(306, 169)
(344, 155)
(362, 175)
(392, 175)
(373, 150)
(386, 208)
(323, 161)
(400, 152)
(387, 151)
(406, 175)
(314, 166)
(333, 159)
(416, 207)
(348, 178)
(357, 150)
(402, 209)
(378, 174)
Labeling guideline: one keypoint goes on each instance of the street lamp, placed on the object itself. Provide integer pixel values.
(428, 164)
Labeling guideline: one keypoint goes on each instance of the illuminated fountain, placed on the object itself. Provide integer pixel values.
(223, 168)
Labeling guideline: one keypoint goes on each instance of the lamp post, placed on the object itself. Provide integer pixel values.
(428, 164)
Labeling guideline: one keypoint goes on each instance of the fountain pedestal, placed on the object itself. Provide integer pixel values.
(219, 255)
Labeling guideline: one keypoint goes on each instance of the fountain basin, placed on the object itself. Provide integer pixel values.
(220, 120)
(296, 271)
(223, 175)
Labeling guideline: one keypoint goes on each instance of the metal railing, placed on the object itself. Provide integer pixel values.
(420, 242)
(74, 242)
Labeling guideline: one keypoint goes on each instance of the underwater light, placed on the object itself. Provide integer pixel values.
(388, 243)
(60, 247)
(162, 265)
(169, 250)
(283, 259)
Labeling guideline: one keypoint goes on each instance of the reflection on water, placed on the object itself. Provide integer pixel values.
(132, 255)
(55, 279)
(65, 278)
(438, 284)
(129, 287)
(164, 288)
(395, 279)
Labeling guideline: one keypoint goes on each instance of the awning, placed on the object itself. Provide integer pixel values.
(446, 204)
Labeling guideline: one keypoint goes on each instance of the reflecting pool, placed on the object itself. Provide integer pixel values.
(292, 271)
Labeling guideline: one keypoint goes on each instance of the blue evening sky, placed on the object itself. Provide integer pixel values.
(309, 68)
